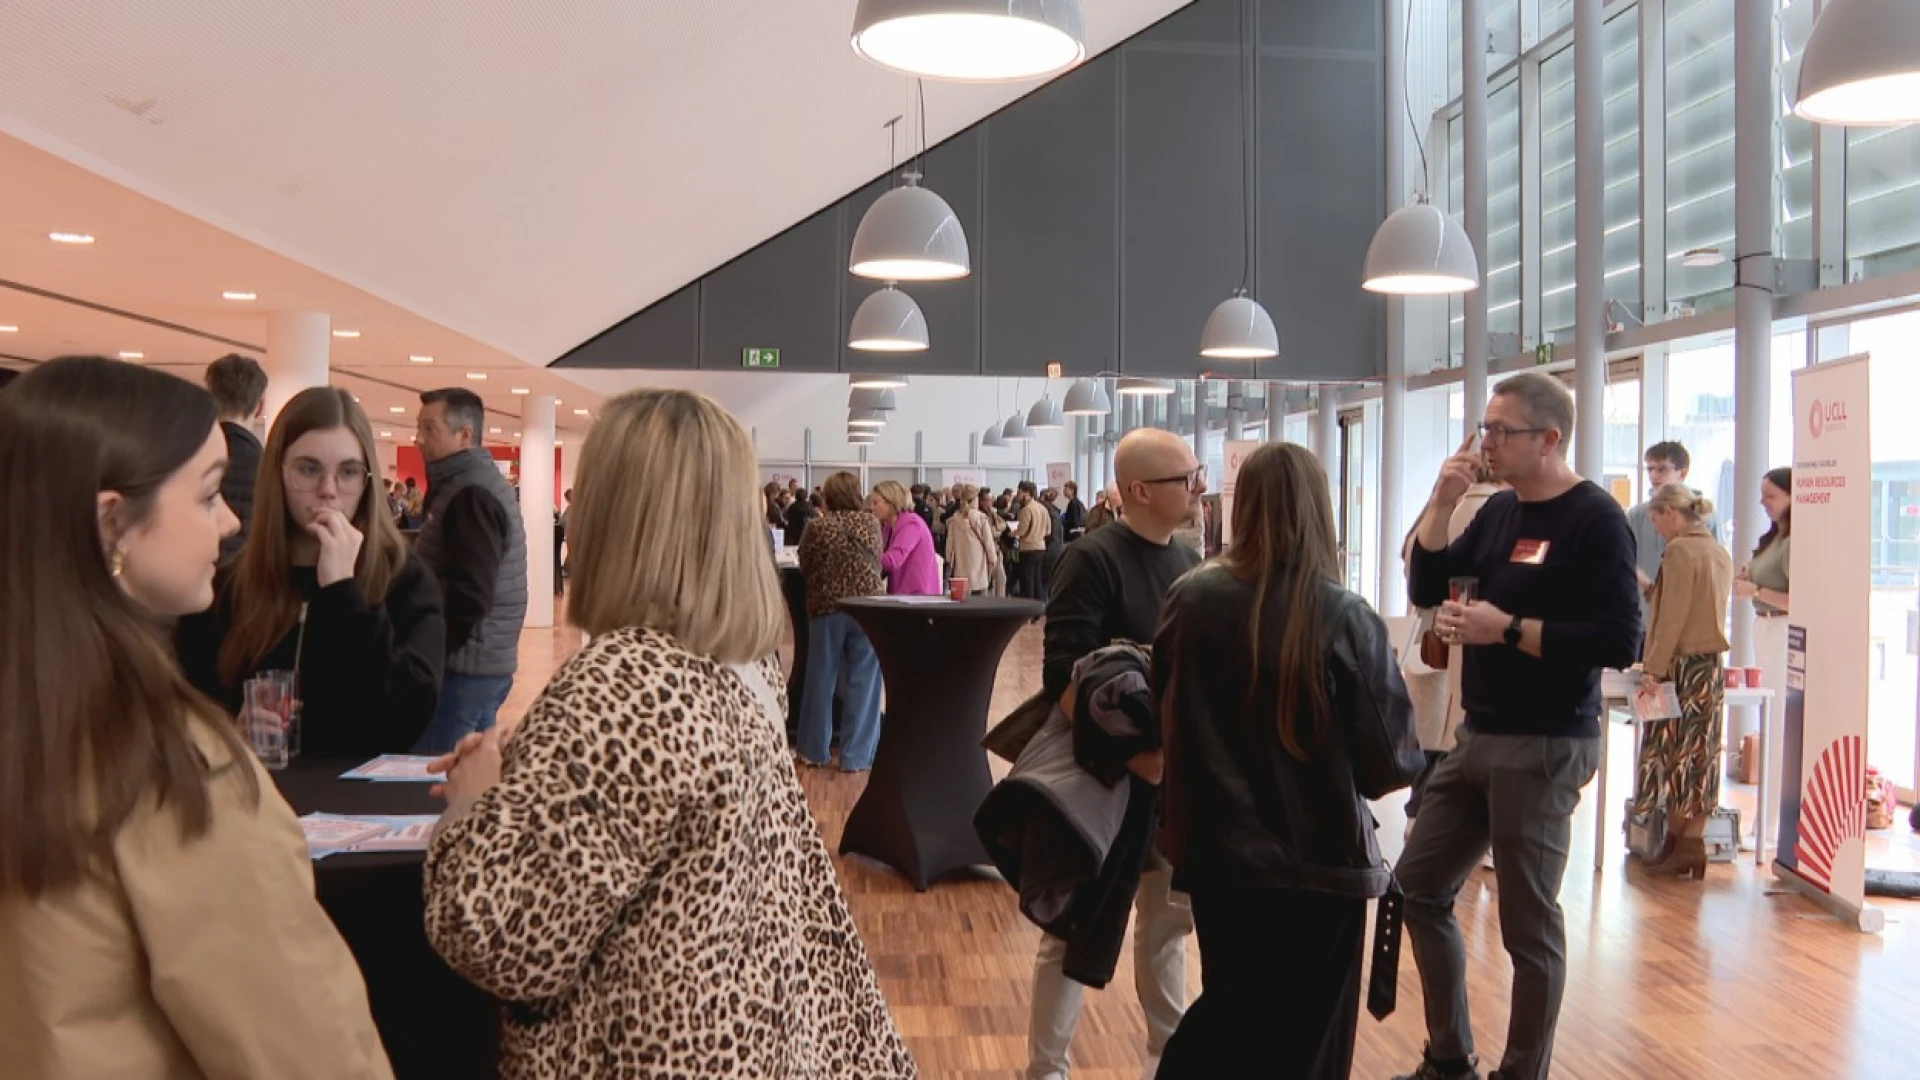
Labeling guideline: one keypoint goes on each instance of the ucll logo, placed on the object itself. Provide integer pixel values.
(1826, 414)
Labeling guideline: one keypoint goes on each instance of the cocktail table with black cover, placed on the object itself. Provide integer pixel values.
(433, 1022)
(930, 774)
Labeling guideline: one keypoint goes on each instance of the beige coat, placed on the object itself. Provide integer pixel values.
(205, 958)
(1690, 600)
(1035, 526)
(972, 551)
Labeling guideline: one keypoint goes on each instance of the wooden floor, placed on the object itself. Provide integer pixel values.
(1666, 978)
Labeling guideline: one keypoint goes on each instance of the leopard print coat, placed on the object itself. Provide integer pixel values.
(647, 891)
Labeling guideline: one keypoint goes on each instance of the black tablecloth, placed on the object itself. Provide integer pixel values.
(930, 774)
(433, 1022)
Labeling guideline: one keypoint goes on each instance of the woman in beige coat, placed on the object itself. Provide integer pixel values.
(972, 550)
(157, 917)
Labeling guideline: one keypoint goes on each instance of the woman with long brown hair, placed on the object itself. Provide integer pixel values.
(157, 915)
(1284, 713)
(326, 588)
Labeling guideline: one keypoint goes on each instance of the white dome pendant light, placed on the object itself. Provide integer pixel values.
(1086, 397)
(1861, 66)
(1046, 414)
(888, 321)
(876, 382)
(872, 398)
(992, 436)
(1239, 328)
(909, 233)
(866, 418)
(1138, 387)
(971, 40)
(1015, 429)
(1421, 250)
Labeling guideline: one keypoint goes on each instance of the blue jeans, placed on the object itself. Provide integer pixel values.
(468, 703)
(835, 643)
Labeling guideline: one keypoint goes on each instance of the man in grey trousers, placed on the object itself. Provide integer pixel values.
(1552, 563)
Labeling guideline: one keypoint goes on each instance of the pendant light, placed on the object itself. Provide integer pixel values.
(1861, 65)
(870, 398)
(859, 436)
(992, 436)
(877, 382)
(1239, 328)
(909, 233)
(1046, 415)
(867, 418)
(1132, 387)
(971, 40)
(1420, 250)
(1015, 429)
(1086, 397)
(888, 321)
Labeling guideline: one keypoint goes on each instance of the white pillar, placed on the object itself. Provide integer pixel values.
(1393, 395)
(1755, 142)
(1326, 443)
(536, 504)
(1589, 263)
(298, 344)
(1473, 159)
(1236, 410)
(1276, 412)
(1200, 420)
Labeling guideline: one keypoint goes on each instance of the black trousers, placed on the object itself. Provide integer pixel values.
(1280, 994)
(1033, 575)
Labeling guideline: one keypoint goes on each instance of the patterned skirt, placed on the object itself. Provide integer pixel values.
(1680, 759)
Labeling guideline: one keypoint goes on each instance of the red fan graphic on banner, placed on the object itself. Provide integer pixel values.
(1833, 810)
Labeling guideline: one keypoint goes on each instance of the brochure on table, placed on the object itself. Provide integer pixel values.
(1823, 806)
(395, 768)
(336, 834)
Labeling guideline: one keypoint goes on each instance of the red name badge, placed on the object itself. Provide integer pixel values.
(1530, 552)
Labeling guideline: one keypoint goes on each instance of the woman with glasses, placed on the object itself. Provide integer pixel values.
(327, 589)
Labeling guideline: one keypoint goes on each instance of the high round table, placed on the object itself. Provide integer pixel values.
(433, 1022)
(930, 773)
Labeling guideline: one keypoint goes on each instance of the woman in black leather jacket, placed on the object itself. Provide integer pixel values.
(1284, 713)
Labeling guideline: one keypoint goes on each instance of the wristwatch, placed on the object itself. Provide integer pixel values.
(1512, 633)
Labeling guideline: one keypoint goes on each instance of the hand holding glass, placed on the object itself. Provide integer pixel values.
(270, 716)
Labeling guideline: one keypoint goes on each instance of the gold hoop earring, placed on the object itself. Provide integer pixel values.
(117, 562)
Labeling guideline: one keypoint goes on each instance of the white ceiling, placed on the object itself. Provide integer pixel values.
(520, 175)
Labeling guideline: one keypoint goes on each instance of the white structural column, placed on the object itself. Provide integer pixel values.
(1200, 420)
(1393, 394)
(1236, 411)
(1276, 411)
(1326, 430)
(298, 346)
(1473, 166)
(1589, 263)
(1755, 143)
(536, 504)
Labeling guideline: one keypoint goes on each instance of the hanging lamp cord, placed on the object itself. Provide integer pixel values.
(1246, 137)
(1406, 98)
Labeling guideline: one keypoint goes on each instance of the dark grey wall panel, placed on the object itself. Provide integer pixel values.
(666, 335)
(1320, 200)
(1051, 197)
(1352, 25)
(780, 295)
(952, 308)
(1104, 213)
(1182, 206)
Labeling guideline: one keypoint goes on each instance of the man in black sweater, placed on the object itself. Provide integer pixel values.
(239, 387)
(1557, 602)
(1110, 587)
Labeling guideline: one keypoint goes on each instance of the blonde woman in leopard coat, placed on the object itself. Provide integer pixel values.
(635, 872)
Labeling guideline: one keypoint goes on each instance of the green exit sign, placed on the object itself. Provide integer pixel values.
(760, 358)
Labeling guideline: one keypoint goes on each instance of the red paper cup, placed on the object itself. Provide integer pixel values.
(959, 589)
(1756, 678)
(1736, 678)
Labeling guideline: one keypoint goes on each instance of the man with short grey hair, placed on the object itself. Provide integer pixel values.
(474, 540)
(1555, 602)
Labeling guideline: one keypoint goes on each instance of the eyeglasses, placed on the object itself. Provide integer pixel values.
(1194, 480)
(305, 476)
(1498, 432)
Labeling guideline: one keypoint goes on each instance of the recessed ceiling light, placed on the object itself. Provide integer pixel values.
(418, 359)
(386, 434)
(8, 329)
(396, 408)
(521, 390)
(493, 431)
(477, 376)
(516, 434)
(128, 354)
(557, 442)
(580, 412)
(559, 401)
(236, 294)
(346, 333)
(70, 238)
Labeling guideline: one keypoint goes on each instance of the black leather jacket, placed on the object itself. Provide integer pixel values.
(1240, 810)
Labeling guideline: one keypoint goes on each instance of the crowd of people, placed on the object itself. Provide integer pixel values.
(635, 873)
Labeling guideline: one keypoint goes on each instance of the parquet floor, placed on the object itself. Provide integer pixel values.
(1667, 979)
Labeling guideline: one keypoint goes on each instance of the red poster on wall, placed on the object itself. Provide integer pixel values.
(412, 464)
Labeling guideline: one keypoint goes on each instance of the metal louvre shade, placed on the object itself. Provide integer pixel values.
(971, 40)
(909, 234)
(869, 397)
(1086, 397)
(1239, 329)
(1045, 415)
(1420, 250)
(888, 320)
(1861, 65)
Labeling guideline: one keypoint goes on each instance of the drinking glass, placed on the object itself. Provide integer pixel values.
(270, 713)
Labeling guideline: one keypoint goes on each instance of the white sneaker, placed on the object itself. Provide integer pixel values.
(1153, 1067)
